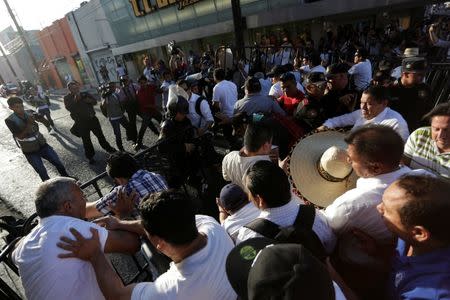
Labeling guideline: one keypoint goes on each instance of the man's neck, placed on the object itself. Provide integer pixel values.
(184, 252)
(428, 248)
(248, 153)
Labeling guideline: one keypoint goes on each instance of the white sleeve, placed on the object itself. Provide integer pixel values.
(353, 70)
(225, 169)
(344, 120)
(146, 290)
(206, 111)
(245, 234)
(337, 214)
(216, 94)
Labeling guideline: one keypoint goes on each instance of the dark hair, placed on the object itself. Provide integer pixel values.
(315, 59)
(252, 85)
(379, 93)
(377, 143)
(219, 74)
(14, 100)
(169, 215)
(286, 77)
(142, 77)
(256, 135)
(442, 109)
(121, 165)
(427, 204)
(268, 181)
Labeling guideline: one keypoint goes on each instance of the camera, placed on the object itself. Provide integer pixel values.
(173, 48)
(104, 90)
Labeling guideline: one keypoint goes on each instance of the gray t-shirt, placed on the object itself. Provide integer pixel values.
(257, 103)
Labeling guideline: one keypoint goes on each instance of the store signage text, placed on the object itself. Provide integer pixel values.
(143, 7)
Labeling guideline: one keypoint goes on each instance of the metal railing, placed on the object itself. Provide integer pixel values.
(438, 78)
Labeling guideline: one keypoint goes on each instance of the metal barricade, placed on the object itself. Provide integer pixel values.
(438, 79)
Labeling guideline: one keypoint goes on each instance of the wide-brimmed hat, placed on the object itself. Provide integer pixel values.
(319, 168)
(410, 52)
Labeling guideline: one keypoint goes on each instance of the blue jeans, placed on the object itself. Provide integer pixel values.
(116, 129)
(47, 152)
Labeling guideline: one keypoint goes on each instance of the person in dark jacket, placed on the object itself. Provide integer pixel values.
(81, 108)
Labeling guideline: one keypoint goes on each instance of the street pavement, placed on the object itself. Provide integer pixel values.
(19, 180)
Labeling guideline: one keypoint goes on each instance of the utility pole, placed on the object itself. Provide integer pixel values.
(22, 36)
(7, 61)
(238, 27)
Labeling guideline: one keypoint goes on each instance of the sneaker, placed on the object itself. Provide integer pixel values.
(52, 132)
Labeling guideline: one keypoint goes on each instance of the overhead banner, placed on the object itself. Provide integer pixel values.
(144, 7)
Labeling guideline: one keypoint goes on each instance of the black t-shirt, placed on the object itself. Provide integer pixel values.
(332, 106)
(80, 110)
(411, 102)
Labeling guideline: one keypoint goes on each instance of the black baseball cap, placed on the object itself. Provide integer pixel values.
(414, 65)
(338, 68)
(232, 197)
(315, 77)
(276, 71)
(259, 269)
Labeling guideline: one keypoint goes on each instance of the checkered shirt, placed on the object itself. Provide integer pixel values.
(143, 182)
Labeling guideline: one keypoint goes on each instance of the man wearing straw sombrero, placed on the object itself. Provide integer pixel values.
(325, 174)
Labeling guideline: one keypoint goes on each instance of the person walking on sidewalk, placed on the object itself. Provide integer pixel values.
(114, 112)
(25, 130)
(147, 108)
(43, 108)
(127, 96)
(81, 108)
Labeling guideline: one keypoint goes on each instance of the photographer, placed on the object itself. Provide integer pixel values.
(177, 62)
(440, 30)
(81, 108)
(128, 99)
(114, 112)
(25, 130)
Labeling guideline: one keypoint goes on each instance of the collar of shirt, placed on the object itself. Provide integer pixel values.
(382, 179)
(283, 215)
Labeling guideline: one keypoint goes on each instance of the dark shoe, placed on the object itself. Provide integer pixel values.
(92, 161)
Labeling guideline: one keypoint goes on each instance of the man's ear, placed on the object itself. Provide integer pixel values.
(67, 206)
(420, 234)
(259, 202)
(375, 168)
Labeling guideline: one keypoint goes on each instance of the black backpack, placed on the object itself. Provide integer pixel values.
(298, 233)
(198, 102)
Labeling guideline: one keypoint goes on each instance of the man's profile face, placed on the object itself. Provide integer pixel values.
(370, 108)
(440, 132)
(17, 108)
(289, 87)
(338, 81)
(393, 200)
(413, 78)
(78, 202)
(359, 165)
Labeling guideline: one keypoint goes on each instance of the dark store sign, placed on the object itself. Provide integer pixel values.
(143, 7)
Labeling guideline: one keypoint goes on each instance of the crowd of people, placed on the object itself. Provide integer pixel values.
(338, 179)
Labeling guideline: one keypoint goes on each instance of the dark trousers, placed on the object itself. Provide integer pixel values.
(46, 152)
(131, 111)
(46, 113)
(116, 129)
(94, 126)
(147, 122)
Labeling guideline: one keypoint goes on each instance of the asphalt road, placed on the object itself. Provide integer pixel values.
(18, 180)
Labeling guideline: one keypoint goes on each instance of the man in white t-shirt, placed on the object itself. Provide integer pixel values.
(61, 205)
(276, 91)
(374, 110)
(224, 97)
(257, 146)
(200, 113)
(235, 209)
(361, 70)
(197, 245)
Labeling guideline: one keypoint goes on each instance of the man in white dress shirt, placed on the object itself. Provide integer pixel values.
(374, 110)
(375, 152)
(269, 189)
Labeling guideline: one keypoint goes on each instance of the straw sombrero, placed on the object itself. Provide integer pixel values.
(319, 168)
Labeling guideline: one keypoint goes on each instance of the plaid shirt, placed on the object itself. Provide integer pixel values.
(143, 182)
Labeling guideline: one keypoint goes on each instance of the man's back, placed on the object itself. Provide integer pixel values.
(257, 103)
(235, 164)
(43, 274)
(199, 276)
(225, 92)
